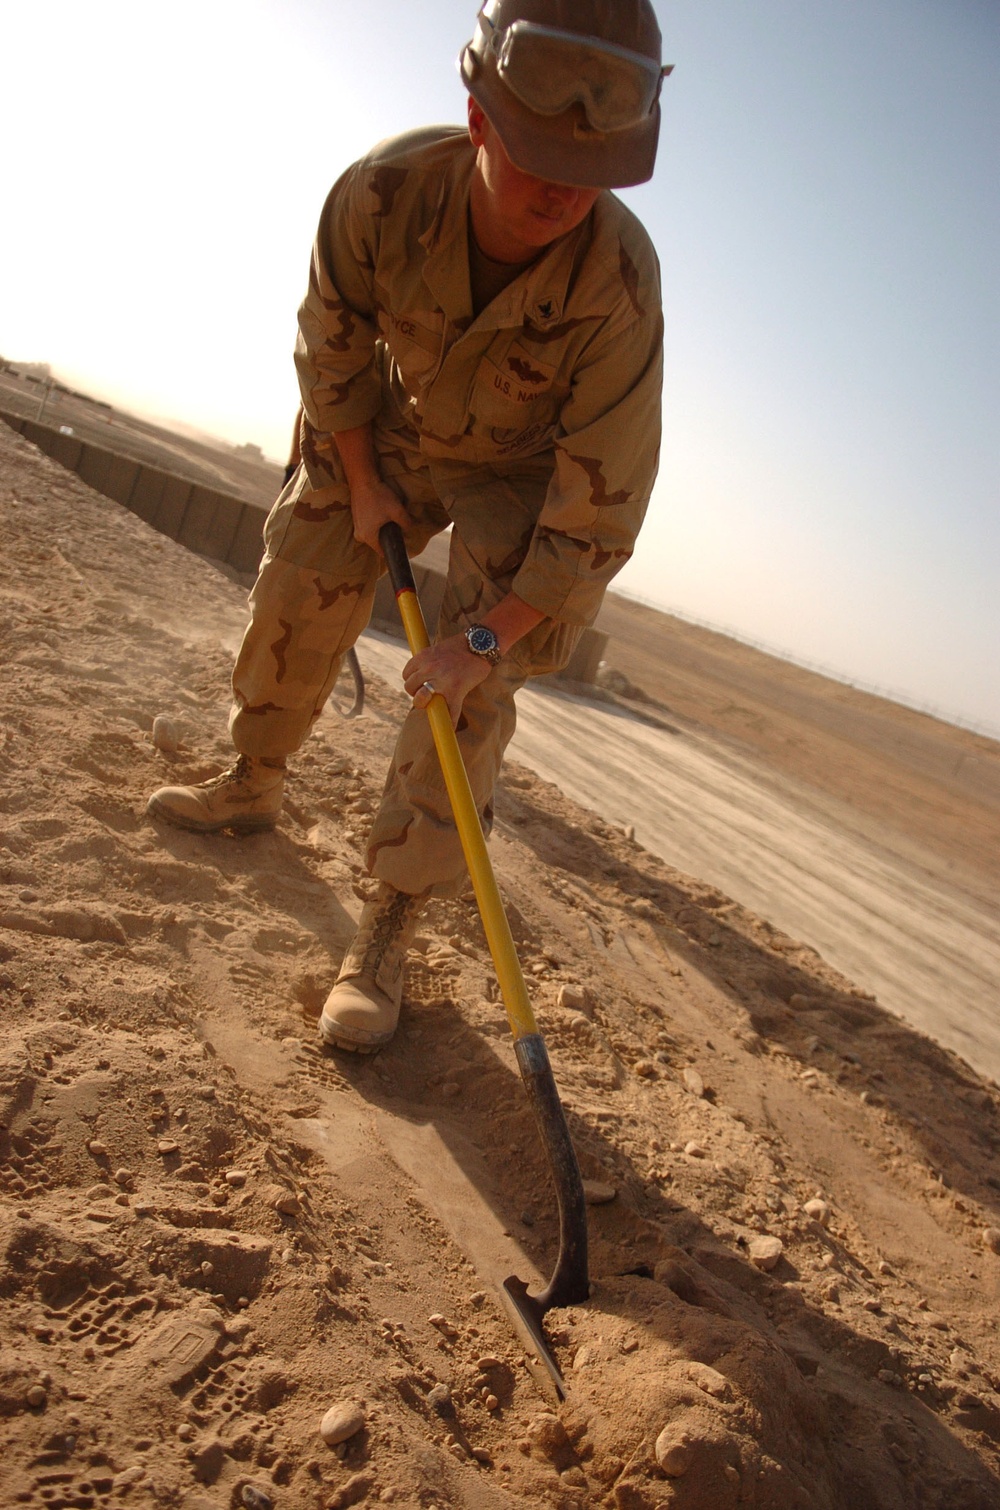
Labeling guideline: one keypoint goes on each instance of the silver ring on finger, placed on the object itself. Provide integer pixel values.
(428, 687)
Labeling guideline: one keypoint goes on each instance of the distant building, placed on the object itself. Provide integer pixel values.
(36, 372)
(249, 450)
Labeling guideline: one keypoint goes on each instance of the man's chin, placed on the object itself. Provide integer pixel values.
(543, 229)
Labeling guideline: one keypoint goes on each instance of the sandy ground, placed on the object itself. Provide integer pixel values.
(211, 1232)
(898, 923)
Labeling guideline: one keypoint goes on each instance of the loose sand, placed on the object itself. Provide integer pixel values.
(211, 1232)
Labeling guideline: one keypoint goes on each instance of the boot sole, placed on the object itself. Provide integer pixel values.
(244, 825)
(336, 1040)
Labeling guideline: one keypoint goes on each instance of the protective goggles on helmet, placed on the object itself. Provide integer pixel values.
(549, 70)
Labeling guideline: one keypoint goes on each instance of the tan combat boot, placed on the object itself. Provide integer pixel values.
(362, 1010)
(246, 798)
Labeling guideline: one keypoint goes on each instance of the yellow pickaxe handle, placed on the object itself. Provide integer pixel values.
(467, 821)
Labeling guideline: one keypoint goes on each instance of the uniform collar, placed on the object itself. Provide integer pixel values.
(446, 270)
(538, 296)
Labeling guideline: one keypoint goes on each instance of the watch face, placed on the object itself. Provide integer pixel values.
(482, 640)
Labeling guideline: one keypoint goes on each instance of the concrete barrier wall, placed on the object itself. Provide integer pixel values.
(226, 529)
(65, 449)
(248, 545)
(210, 522)
(114, 476)
(213, 524)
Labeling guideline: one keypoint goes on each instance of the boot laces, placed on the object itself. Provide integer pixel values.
(237, 772)
(385, 932)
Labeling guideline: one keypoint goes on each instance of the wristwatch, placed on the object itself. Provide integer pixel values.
(483, 642)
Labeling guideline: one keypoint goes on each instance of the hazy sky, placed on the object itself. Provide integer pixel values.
(827, 213)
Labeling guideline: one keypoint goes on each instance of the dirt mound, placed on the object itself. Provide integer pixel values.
(211, 1231)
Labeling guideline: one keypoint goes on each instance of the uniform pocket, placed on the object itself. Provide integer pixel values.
(513, 390)
(414, 343)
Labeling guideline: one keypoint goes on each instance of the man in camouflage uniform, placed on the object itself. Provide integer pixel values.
(480, 345)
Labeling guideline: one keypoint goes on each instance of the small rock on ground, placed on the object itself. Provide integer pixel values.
(674, 1451)
(693, 1081)
(341, 1421)
(598, 1193)
(164, 734)
(765, 1251)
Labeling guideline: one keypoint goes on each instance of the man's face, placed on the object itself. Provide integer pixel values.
(514, 207)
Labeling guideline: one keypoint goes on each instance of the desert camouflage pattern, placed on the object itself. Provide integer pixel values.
(311, 600)
(534, 429)
(313, 597)
(546, 406)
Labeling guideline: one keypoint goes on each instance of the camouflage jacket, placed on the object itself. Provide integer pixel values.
(539, 420)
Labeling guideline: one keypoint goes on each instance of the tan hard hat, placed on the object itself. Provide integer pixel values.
(571, 86)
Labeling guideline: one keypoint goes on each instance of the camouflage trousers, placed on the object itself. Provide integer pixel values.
(312, 598)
